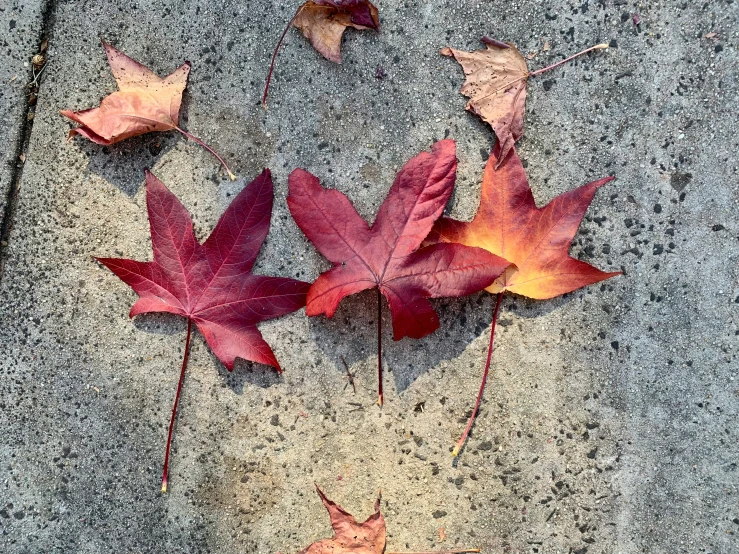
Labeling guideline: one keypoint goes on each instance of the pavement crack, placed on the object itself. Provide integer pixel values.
(24, 138)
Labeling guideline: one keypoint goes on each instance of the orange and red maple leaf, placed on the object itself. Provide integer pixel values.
(536, 240)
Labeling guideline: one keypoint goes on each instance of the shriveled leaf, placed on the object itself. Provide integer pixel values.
(143, 103)
(212, 284)
(350, 537)
(496, 86)
(536, 240)
(387, 255)
(323, 23)
(495, 83)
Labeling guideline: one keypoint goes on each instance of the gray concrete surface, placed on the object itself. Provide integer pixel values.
(21, 28)
(610, 421)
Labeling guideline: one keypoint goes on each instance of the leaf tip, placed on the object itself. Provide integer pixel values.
(604, 181)
(446, 51)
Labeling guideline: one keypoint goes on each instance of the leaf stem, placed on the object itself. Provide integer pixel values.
(165, 473)
(209, 149)
(379, 348)
(274, 56)
(543, 69)
(461, 442)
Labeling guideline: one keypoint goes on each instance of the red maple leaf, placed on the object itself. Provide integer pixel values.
(386, 255)
(211, 284)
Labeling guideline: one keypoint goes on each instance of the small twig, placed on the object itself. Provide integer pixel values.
(543, 69)
(349, 376)
(461, 442)
(379, 348)
(34, 83)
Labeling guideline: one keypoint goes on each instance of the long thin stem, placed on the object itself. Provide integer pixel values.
(543, 69)
(209, 149)
(463, 551)
(461, 442)
(379, 348)
(274, 56)
(165, 473)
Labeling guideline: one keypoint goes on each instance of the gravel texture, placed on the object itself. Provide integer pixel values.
(609, 425)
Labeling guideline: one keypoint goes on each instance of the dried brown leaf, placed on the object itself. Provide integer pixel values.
(323, 24)
(496, 86)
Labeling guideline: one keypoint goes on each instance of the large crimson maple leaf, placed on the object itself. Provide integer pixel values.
(386, 255)
(211, 284)
(537, 240)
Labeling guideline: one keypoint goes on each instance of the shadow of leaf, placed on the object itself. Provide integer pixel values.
(351, 335)
(161, 324)
(122, 164)
(244, 371)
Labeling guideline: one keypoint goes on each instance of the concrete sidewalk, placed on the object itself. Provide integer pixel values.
(609, 425)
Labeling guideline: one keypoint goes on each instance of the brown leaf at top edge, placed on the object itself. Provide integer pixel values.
(496, 87)
(323, 23)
